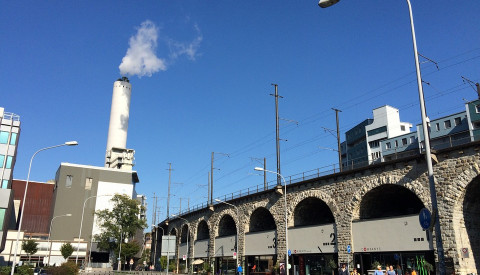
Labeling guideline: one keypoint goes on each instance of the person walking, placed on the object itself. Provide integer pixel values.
(239, 269)
(343, 270)
(391, 271)
(379, 271)
(354, 272)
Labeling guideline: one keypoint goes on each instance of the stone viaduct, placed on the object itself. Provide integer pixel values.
(385, 190)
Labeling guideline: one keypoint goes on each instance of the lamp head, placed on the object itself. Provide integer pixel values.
(217, 200)
(327, 3)
(71, 143)
(68, 215)
(259, 169)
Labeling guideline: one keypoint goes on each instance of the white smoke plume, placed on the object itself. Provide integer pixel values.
(141, 59)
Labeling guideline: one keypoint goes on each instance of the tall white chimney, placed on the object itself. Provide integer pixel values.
(117, 155)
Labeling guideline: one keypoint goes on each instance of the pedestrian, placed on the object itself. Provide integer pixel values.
(239, 270)
(413, 271)
(399, 270)
(355, 272)
(391, 271)
(343, 270)
(379, 271)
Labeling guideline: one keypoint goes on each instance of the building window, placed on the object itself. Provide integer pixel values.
(2, 216)
(477, 108)
(3, 137)
(437, 126)
(88, 183)
(458, 121)
(8, 165)
(448, 124)
(13, 139)
(396, 143)
(404, 141)
(4, 184)
(69, 181)
(374, 144)
(2, 160)
(388, 145)
(402, 127)
(412, 139)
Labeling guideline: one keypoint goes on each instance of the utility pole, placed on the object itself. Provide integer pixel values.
(279, 180)
(169, 184)
(264, 173)
(211, 176)
(208, 194)
(338, 140)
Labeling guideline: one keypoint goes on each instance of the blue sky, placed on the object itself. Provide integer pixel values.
(59, 60)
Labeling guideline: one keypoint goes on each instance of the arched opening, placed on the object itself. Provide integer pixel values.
(471, 216)
(202, 231)
(226, 226)
(261, 220)
(185, 234)
(173, 232)
(312, 211)
(389, 201)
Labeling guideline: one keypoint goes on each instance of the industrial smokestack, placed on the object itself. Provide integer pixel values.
(118, 127)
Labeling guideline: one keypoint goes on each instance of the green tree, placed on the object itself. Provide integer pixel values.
(130, 249)
(67, 250)
(30, 247)
(119, 223)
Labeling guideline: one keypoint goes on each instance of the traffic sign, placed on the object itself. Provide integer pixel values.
(425, 218)
(349, 249)
(234, 255)
(184, 257)
(289, 252)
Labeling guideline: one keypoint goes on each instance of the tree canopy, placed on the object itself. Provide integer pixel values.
(67, 250)
(30, 247)
(119, 223)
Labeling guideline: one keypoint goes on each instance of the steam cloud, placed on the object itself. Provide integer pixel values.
(141, 59)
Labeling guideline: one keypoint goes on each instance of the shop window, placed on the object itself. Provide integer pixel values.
(69, 181)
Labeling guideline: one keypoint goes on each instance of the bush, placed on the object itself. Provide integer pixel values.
(68, 268)
(5, 270)
(24, 270)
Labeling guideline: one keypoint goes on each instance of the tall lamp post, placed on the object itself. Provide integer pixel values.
(188, 236)
(426, 134)
(49, 234)
(81, 223)
(286, 214)
(68, 143)
(238, 217)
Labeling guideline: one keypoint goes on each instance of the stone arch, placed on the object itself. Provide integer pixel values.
(312, 211)
(227, 226)
(463, 190)
(421, 191)
(297, 198)
(261, 220)
(203, 231)
(185, 233)
(173, 231)
(269, 206)
(217, 219)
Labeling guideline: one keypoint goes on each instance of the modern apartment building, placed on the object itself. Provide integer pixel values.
(9, 135)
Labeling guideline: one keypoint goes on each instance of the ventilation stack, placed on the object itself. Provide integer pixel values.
(117, 155)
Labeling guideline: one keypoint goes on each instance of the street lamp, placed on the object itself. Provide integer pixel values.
(188, 236)
(238, 227)
(49, 233)
(286, 214)
(426, 134)
(68, 143)
(81, 223)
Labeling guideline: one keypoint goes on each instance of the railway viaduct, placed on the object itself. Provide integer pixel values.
(374, 210)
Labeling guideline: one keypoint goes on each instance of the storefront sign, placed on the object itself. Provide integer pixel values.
(261, 243)
(313, 239)
(200, 249)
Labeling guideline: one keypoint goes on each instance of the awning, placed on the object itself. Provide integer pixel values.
(198, 261)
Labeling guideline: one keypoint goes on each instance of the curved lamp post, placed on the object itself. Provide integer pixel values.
(188, 237)
(286, 215)
(49, 233)
(156, 244)
(81, 223)
(68, 143)
(237, 224)
(426, 134)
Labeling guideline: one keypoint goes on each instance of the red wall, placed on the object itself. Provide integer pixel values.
(38, 205)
